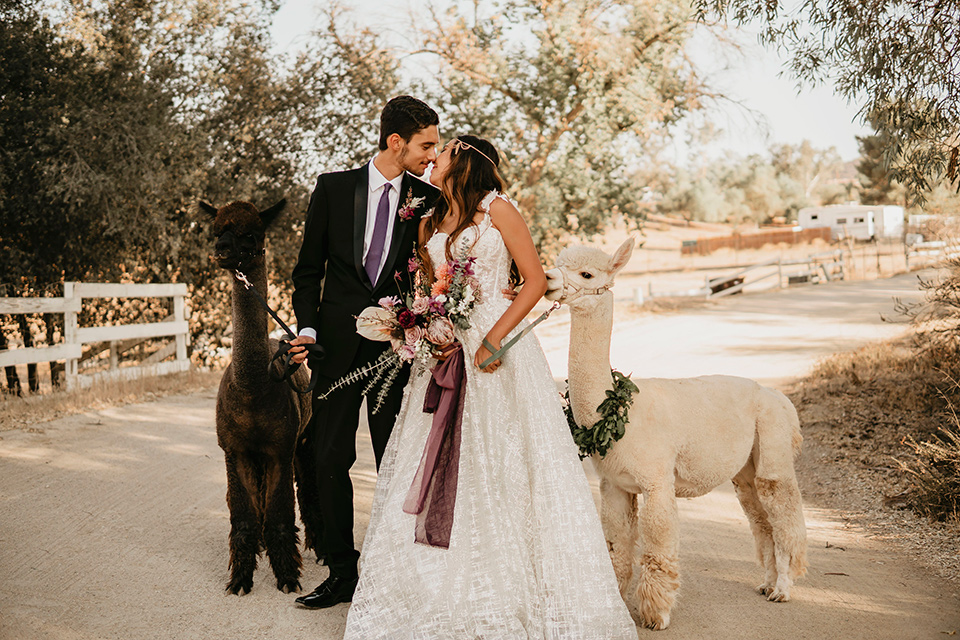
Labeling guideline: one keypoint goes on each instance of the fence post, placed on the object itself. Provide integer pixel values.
(70, 337)
(780, 273)
(181, 338)
(114, 354)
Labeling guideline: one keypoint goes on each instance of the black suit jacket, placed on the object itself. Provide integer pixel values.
(330, 284)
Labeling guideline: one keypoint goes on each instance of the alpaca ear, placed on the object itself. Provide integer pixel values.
(621, 256)
(209, 209)
(268, 215)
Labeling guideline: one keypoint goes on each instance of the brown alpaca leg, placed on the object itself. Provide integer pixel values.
(244, 523)
(279, 529)
(618, 515)
(308, 495)
(743, 482)
(659, 570)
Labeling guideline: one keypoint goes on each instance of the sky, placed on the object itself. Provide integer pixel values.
(771, 109)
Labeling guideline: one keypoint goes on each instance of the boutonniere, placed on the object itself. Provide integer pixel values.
(406, 210)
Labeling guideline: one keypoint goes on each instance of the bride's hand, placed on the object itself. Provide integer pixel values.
(483, 353)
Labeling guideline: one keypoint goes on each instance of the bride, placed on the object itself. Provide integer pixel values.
(526, 556)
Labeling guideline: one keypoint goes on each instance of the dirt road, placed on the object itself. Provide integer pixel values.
(113, 524)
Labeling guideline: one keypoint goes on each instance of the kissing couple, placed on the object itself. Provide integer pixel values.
(522, 554)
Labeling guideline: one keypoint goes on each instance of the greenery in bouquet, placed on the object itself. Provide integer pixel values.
(456, 290)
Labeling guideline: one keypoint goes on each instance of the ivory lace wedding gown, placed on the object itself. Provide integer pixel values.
(527, 556)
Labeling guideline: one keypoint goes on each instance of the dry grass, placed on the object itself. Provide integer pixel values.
(860, 411)
(27, 413)
(935, 474)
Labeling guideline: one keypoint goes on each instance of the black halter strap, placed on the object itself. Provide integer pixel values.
(287, 366)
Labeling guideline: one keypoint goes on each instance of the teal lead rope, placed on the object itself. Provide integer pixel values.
(502, 350)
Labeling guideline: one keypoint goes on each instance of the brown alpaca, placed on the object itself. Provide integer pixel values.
(260, 421)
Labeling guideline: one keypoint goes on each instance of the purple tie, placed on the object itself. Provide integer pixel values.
(375, 252)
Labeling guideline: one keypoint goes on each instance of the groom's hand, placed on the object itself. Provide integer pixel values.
(510, 293)
(299, 353)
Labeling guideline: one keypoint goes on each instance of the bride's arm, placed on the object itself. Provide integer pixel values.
(516, 236)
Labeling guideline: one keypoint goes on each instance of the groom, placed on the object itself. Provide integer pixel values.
(361, 230)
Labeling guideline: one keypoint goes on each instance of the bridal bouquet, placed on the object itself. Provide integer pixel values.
(418, 327)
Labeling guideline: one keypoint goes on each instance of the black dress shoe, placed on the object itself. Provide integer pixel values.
(334, 590)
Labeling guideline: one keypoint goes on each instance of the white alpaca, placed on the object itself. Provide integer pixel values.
(684, 437)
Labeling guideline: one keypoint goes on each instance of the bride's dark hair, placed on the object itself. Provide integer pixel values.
(471, 175)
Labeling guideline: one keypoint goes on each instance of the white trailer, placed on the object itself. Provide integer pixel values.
(863, 222)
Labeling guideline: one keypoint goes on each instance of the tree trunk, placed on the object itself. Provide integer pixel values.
(57, 368)
(13, 380)
(33, 380)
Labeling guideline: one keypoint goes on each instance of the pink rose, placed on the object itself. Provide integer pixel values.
(412, 335)
(406, 353)
(440, 332)
(420, 306)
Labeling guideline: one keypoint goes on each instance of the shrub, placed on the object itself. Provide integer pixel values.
(935, 474)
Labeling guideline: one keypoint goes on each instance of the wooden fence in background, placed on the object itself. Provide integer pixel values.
(756, 240)
(117, 337)
(774, 274)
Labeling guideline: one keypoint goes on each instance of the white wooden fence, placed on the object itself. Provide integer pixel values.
(929, 253)
(119, 337)
(774, 273)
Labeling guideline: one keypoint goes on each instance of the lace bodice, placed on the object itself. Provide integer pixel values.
(492, 267)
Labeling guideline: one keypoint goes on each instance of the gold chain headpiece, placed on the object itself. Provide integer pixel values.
(458, 144)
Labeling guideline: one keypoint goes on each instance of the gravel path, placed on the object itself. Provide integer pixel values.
(113, 524)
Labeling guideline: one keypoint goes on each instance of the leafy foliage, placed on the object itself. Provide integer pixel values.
(572, 93)
(877, 185)
(897, 60)
(757, 188)
(614, 415)
(119, 115)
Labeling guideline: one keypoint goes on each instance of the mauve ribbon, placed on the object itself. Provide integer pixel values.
(433, 493)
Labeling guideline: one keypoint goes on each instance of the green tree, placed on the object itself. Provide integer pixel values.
(41, 78)
(876, 185)
(574, 94)
(757, 188)
(896, 60)
(119, 115)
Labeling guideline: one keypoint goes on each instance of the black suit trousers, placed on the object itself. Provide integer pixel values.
(332, 435)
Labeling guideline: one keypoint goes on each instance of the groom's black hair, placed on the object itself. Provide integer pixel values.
(405, 115)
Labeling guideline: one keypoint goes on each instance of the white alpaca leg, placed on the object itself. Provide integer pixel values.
(659, 571)
(781, 500)
(743, 482)
(618, 514)
(778, 442)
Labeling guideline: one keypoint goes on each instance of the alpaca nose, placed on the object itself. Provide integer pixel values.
(554, 285)
(224, 243)
(226, 247)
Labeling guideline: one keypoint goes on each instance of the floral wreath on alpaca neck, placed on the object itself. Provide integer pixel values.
(613, 420)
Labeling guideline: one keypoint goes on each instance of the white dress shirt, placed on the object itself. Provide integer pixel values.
(375, 186)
